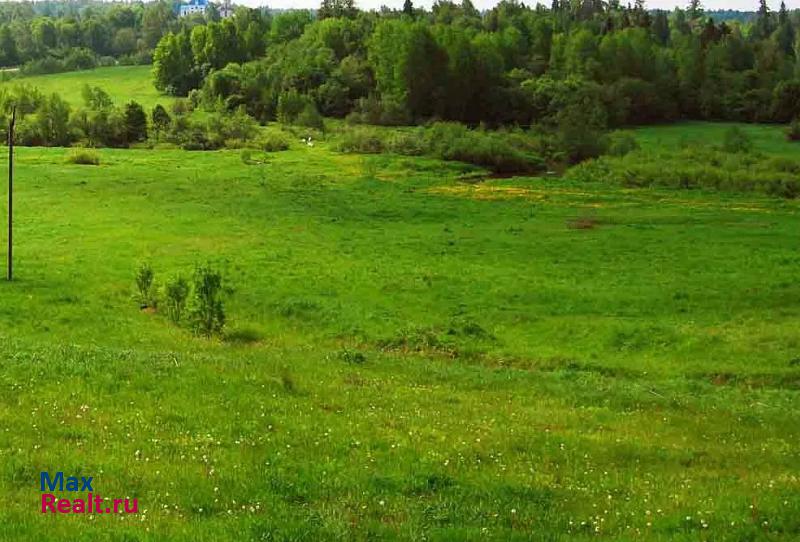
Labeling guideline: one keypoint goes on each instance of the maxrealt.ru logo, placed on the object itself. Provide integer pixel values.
(92, 504)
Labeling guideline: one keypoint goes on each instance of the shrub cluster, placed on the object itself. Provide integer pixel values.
(51, 121)
(75, 59)
(448, 141)
(298, 109)
(736, 140)
(695, 167)
(793, 130)
(198, 303)
(83, 157)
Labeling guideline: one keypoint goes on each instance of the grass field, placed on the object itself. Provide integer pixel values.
(122, 83)
(766, 138)
(408, 356)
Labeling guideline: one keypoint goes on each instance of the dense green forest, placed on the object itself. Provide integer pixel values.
(58, 36)
(610, 64)
(607, 64)
(556, 79)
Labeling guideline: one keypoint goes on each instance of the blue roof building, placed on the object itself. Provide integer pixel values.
(193, 6)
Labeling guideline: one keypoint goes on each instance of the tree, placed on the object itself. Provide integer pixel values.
(763, 26)
(786, 101)
(695, 10)
(785, 34)
(53, 122)
(289, 25)
(660, 27)
(207, 312)
(8, 47)
(160, 119)
(580, 54)
(135, 123)
(124, 41)
(97, 36)
(410, 66)
(174, 71)
(96, 98)
(44, 33)
(156, 21)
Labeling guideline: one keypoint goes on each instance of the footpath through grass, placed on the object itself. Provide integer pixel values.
(408, 356)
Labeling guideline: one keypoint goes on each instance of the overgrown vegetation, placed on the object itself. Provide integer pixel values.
(83, 157)
(51, 121)
(207, 312)
(64, 36)
(793, 130)
(449, 141)
(608, 65)
(736, 141)
(176, 292)
(729, 168)
(144, 286)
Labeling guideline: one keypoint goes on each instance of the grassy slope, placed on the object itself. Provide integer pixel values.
(766, 138)
(523, 379)
(123, 83)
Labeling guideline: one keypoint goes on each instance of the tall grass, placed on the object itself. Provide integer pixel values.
(448, 141)
(695, 167)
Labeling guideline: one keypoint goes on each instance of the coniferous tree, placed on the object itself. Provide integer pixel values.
(763, 26)
(135, 123)
(695, 10)
(160, 119)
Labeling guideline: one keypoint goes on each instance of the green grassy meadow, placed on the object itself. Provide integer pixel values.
(122, 83)
(766, 138)
(411, 353)
(408, 356)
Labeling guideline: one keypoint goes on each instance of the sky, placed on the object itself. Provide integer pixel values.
(742, 5)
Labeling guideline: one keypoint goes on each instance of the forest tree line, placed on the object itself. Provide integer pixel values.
(601, 63)
(45, 37)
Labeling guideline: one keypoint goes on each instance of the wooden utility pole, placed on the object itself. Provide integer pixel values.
(10, 274)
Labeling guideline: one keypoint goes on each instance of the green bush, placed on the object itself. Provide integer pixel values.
(176, 291)
(135, 120)
(406, 143)
(696, 167)
(578, 139)
(386, 112)
(76, 59)
(310, 118)
(736, 140)
(291, 105)
(447, 141)
(793, 130)
(84, 157)
(361, 139)
(621, 143)
(144, 285)
(453, 141)
(273, 141)
(222, 129)
(207, 314)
